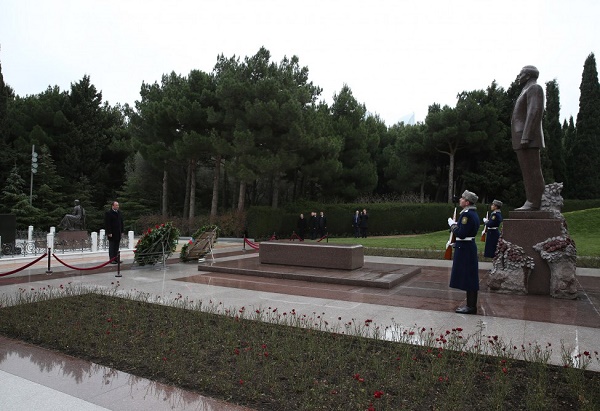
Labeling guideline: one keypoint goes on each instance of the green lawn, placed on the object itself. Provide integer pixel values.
(584, 228)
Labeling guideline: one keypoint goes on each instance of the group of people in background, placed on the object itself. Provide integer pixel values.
(360, 223)
(316, 225)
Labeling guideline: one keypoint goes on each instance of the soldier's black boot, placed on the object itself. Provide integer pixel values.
(471, 307)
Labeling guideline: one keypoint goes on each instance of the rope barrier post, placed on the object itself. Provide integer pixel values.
(118, 264)
(49, 270)
(244, 246)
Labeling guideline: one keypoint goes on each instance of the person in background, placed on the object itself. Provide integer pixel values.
(364, 223)
(465, 264)
(313, 225)
(113, 224)
(356, 224)
(492, 229)
(301, 225)
(322, 225)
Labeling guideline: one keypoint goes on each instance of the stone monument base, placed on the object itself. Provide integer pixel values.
(526, 229)
(72, 235)
(337, 256)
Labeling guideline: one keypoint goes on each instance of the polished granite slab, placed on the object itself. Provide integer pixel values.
(405, 286)
(34, 378)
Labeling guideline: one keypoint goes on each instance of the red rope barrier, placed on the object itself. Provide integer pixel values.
(319, 240)
(80, 268)
(251, 244)
(273, 237)
(24, 267)
(294, 236)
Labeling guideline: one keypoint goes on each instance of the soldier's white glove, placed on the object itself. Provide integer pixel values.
(485, 220)
(451, 222)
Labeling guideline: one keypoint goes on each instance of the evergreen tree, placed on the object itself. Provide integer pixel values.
(49, 187)
(586, 147)
(553, 133)
(16, 201)
(569, 134)
(3, 103)
(359, 172)
(408, 163)
(8, 156)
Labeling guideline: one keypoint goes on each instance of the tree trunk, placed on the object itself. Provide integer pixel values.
(192, 192)
(186, 202)
(165, 188)
(242, 196)
(450, 177)
(215, 192)
(275, 199)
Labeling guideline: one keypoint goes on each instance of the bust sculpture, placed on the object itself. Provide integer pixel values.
(74, 221)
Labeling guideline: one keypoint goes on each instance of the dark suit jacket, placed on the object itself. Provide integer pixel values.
(527, 118)
(113, 224)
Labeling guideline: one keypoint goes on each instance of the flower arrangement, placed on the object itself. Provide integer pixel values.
(156, 243)
(184, 254)
(512, 256)
(557, 248)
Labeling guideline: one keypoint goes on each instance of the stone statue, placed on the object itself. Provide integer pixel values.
(76, 220)
(528, 137)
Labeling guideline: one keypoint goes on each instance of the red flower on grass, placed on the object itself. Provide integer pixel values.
(358, 378)
(378, 394)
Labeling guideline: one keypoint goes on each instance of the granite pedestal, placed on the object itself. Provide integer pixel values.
(525, 229)
(337, 256)
(72, 235)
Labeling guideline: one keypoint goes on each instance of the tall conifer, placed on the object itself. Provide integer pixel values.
(553, 132)
(586, 148)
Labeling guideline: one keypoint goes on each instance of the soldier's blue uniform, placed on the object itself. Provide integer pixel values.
(492, 233)
(465, 266)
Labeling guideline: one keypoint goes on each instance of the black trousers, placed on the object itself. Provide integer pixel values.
(113, 248)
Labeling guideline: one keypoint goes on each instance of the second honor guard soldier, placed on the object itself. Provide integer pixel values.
(492, 229)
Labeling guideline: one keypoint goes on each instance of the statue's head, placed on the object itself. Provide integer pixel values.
(76, 202)
(528, 72)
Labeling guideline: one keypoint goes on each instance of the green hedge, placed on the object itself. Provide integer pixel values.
(384, 218)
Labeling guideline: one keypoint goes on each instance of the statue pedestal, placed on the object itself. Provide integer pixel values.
(72, 235)
(525, 229)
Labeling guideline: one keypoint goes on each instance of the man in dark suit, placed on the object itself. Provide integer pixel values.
(528, 137)
(113, 224)
(301, 225)
(364, 223)
(356, 224)
(322, 224)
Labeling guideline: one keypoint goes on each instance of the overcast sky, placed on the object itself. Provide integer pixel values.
(397, 56)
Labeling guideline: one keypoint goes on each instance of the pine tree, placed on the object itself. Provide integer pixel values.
(586, 147)
(49, 188)
(553, 132)
(16, 201)
(3, 103)
(569, 133)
